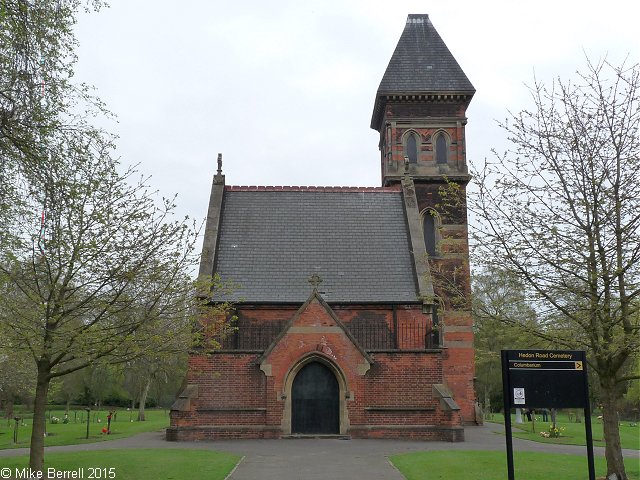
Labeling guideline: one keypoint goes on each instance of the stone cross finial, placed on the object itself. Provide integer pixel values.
(219, 164)
(315, 280)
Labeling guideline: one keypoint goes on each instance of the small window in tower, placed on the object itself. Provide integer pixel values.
(411, 150)
(441, 149)
(429, 229)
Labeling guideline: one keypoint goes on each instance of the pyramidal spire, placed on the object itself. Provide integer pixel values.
(421, 65)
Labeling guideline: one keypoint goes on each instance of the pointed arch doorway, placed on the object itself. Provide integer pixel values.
(315, 401)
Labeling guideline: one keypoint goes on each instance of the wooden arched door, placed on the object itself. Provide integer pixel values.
(315, 401)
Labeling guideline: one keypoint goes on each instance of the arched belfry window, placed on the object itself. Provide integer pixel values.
(442, 148)
(411, 147)
(430, 230)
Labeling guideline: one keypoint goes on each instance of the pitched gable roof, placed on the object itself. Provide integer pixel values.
(272, 240)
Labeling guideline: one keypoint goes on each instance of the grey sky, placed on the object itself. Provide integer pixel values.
(285, 89)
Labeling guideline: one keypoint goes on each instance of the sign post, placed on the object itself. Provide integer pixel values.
(545, 379)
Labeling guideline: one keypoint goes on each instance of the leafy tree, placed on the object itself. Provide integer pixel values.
(152, 370)
(17, 377)
(67, 389)
(89, 258)
(166, 386)
(631, 402)
(559, 211)
(37, 95)
(99, 381)
(498, 296)
(105, 262)
(157, 365)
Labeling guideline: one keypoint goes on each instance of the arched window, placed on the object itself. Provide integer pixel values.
(429, 228)
(442, 154)
(411, 148)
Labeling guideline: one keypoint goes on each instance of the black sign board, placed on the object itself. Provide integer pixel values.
(545, 379)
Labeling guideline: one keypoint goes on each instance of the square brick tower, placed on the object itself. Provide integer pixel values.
(353, 302)
(420, 113)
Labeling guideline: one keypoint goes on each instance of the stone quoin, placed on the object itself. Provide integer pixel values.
(352, 305)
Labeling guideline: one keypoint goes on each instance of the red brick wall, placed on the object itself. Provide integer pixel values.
(398, 389)
(226, 383)
(459, 361)
(263, 313)
(452, 285)
(411, 116)
(393, 399)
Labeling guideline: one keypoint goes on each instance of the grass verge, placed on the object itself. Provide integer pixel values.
(159, 464)
(573, 433)
(476, 465)
(75, 432)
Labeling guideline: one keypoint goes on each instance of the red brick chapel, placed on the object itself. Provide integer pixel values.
(352, 302)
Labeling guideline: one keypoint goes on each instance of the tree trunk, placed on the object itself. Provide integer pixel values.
(613, 448)
(36, 452)
(143, 400)
(9, 408)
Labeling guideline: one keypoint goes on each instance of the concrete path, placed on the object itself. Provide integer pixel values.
(312, 459)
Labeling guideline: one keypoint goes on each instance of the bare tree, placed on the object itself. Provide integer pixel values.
(561, 210)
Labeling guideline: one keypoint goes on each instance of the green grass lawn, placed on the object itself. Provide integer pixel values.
(158, 464)
(471, 465)
(573, 433)
(75, 432)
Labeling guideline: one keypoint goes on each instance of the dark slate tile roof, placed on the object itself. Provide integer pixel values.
(271, 242)
(422, 63)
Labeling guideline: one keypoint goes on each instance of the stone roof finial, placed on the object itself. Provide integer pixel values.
(315, 280)
(218, 178)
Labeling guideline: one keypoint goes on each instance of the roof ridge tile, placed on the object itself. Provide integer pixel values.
(309, 188)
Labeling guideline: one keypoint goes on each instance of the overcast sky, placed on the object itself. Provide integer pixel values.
(285, 89)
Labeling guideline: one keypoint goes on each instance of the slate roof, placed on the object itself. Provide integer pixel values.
(271, 242)
(422, 63)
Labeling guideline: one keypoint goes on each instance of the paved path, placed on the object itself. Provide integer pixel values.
(312, 459)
